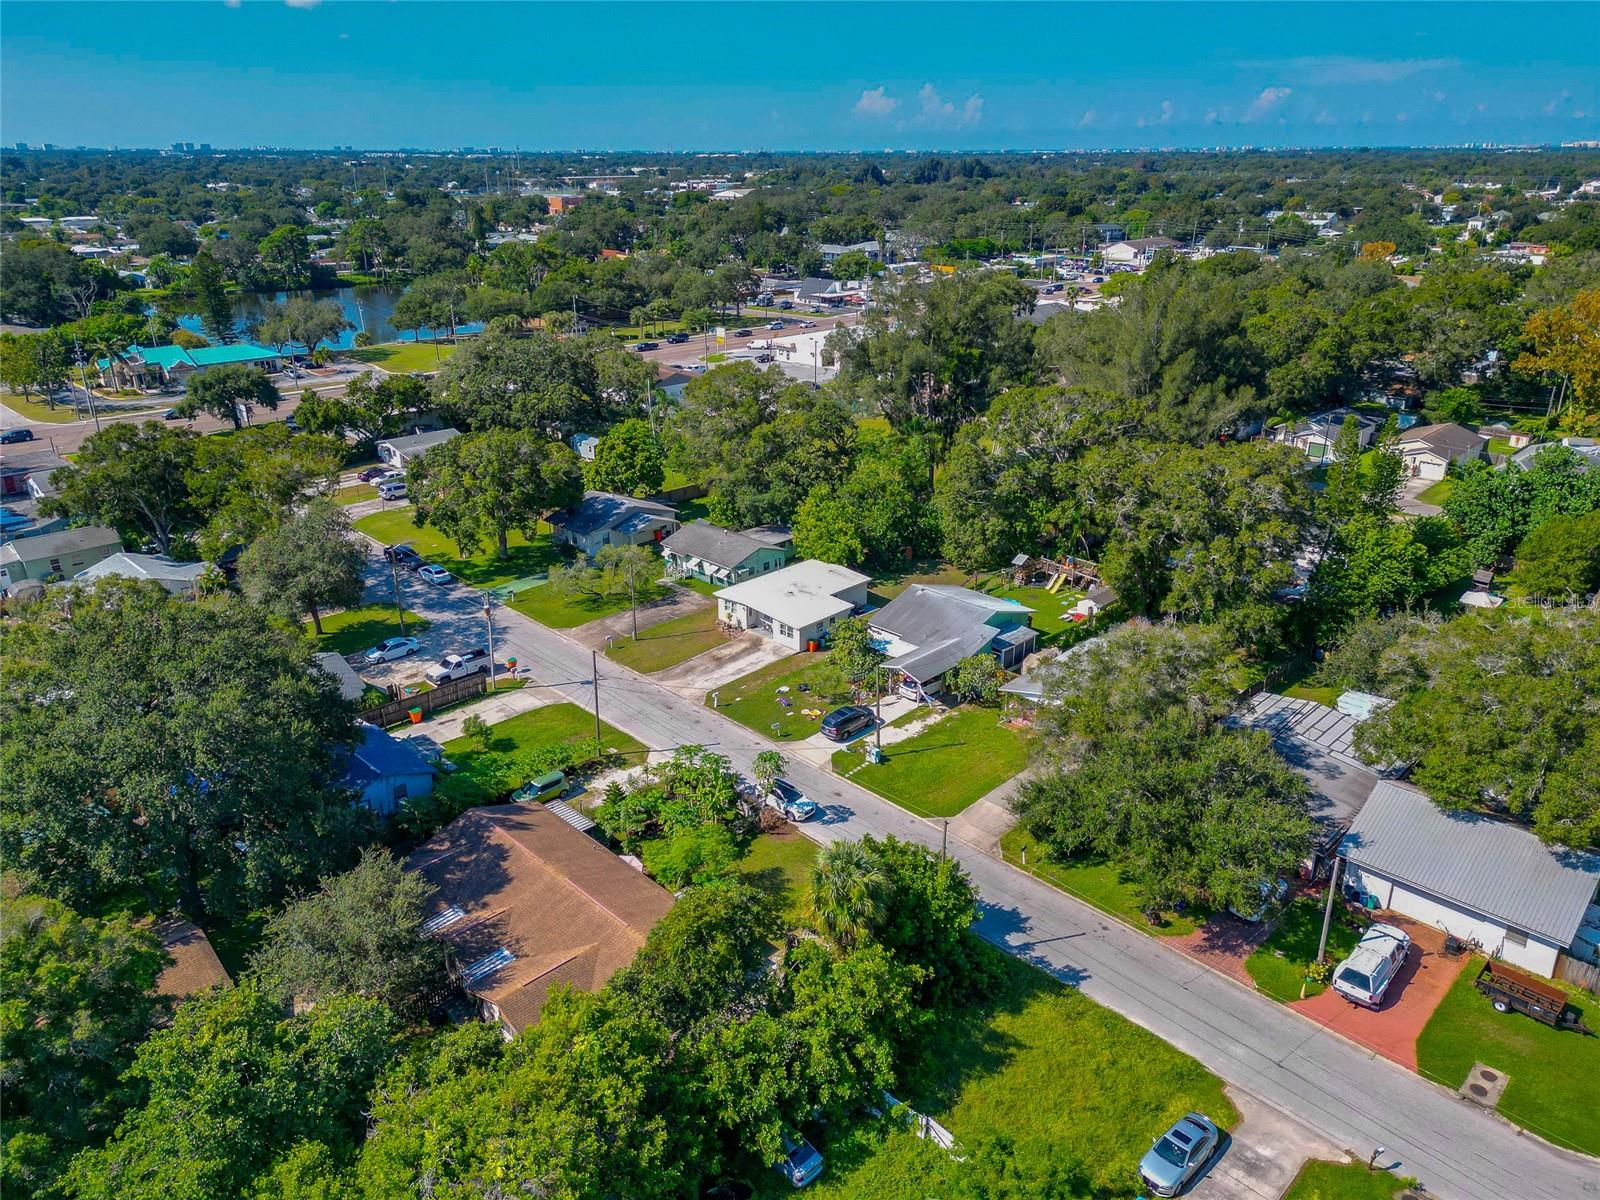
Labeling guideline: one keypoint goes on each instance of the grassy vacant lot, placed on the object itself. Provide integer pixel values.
(38, 410)
(355, 492)
(890, 584)
(669, 643)
(944, 768)
(1059, 1077)
(753, 699)
(361, 628)
(1342, 1181)
(779, 864)
(1438, 493)
(1279, 966)
(483, 569)
(1095, 882)
(404, 357)
(1552, 1072)
(563, 612)
(484, 774)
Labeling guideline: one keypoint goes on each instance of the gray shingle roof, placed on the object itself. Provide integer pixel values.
(416, 443)
(944, 624)
(1490, 866)
(52, 545)
(606, 510)
(714, 544)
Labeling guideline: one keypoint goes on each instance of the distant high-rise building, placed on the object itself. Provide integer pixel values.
(22, 145)
(49, 145)
(205, 147)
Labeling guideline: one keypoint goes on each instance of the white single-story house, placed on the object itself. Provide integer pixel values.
(1137, 252)
(400, 452)
(384, 770)
(59, 555)
(1474, 876)
(1095, 601)
(181, 579)
(1318, 433)
(701, 550)
(832, 251)
(928, 628)
(1428, 450)
(797, 605)
(607, 519)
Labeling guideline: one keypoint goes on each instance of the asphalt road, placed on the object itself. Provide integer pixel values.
(1356, 1099)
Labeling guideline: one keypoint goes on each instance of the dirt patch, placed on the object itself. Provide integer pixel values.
(677, 602)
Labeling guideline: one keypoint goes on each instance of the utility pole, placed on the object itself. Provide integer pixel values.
(400, 609)
(488, 619)
(1327, 911)
(877, 704)
(594, 670)
(944, 841)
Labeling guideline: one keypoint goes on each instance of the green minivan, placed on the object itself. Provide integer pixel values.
(548, 786)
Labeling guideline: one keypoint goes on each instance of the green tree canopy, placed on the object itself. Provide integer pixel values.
(310, 562)
(628, 460)
(478, 487)
(229, 392)
(133, 477)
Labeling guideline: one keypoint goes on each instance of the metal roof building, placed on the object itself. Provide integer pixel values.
(1473, 875)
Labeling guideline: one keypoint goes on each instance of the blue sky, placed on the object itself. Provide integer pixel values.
(795, 76)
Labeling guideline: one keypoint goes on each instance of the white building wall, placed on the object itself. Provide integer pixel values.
(1538, 955)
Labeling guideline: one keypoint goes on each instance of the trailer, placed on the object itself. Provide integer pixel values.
(1510, 990)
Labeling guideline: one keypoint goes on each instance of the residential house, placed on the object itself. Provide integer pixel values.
(833, 250)
(401, 452)
(797, 605)
(584, 445)
(1318, 433)
(385, 770)
(1138, 252)
(526, 903)
(1317, 742)
(671, 383)
(1475, 877)
(194, 965)
(351, 686)
(165, 366)
(928, 628)
(50, 556)
(20, 468)
(607, 519)
(1429, 450)
(711, 554)
(1587, 450)
(179, 578)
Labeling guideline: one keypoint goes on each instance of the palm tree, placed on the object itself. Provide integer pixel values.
(847, 885)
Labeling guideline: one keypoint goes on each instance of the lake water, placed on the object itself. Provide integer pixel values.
(367, 308)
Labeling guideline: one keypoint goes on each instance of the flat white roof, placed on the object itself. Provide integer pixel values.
(799, 595)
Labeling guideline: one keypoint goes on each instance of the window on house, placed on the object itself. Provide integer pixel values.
(784, 630)
(400, 792)
(1515, 937)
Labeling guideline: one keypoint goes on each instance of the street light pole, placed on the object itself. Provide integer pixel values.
(594, 671)
(488, 619)
(399, 608)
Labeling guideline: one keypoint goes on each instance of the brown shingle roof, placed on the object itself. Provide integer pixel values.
(195, 964)
(539, 904)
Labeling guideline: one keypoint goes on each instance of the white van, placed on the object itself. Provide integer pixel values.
(1365, 976)
(392, 489)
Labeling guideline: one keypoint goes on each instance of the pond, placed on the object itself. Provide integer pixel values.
(367, 308)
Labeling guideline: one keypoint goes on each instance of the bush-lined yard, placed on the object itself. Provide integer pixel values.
(357, 629)
(947, 766)
(1038, 1074)
(779, 865)
(484, 568)
(1279, 966)
(1551, 1072)
(669, 643)
(1097, 882)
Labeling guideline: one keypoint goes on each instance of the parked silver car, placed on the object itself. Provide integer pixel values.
(1179, 1153)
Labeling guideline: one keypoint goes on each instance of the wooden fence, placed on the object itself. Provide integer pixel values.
(394, 710)
(677, 495)
(1585, 975)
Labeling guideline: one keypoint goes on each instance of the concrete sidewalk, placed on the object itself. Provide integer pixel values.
(493, 707)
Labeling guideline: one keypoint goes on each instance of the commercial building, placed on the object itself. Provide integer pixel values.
(162, 366)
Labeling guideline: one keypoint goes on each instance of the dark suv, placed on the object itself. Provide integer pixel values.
(404, 556)
(842, 724)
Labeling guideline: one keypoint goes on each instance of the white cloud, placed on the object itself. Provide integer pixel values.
(1400, 118)
(1268, 100)
(302, 3)
(876, 102)
(1089, 117)
(938, 111)
(1324, 118)
(1344, 68)
(1436, 96)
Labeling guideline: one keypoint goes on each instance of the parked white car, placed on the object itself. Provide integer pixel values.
(392, 648)
(458, 666)
(435, 575)
(392, 489)
(1365, 976)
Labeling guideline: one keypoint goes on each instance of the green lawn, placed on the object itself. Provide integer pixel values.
(1279, 965)
(1343, 1181)
(1552, 1072)
(1321, 695)
(38, 410)
(779, 864)
(887, 586)
(355, 492)
(669, 643)
(944, 768)
(1061, 1079)
(1048, 608)
(700, 585)
(485, 774)
(404, 357)
(564, 612)
(483, 569)
(1438, 493)
(357, 629)
(1095, 882)
(752, 700)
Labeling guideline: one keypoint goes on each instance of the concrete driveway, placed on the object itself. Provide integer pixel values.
(721, 665)
(1408, 502)
(678, 602)
(1261, 1155)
